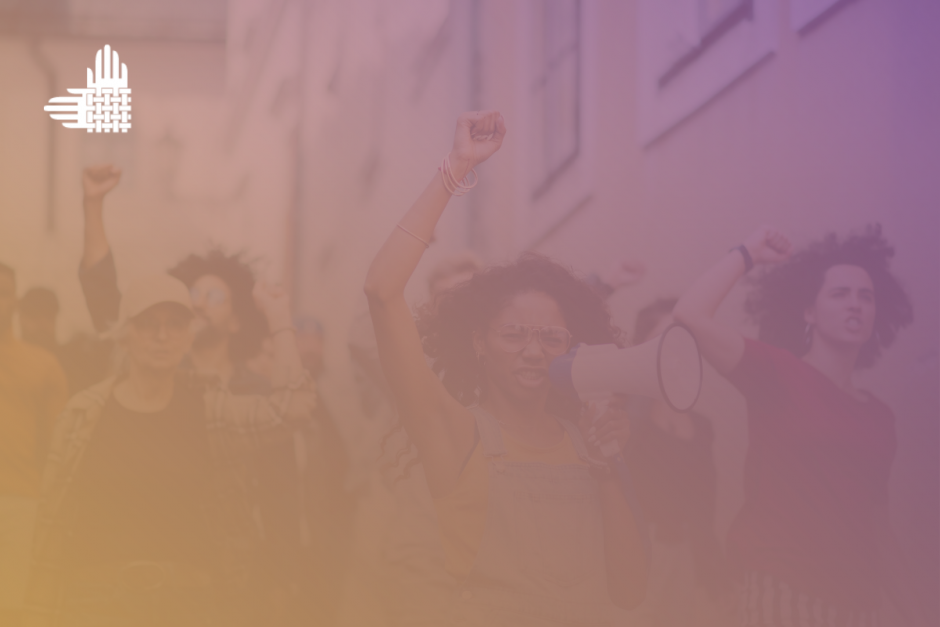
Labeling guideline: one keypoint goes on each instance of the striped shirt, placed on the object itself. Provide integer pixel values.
(766, 601)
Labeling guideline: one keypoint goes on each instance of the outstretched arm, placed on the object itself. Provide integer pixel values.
(723, 346)
(97, 181)
(441, 428)
(96, 270)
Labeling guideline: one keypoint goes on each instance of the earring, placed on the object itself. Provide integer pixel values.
(808, 336)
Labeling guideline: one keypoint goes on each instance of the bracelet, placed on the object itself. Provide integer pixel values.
(451, 184)
(426, 245)
(281, 330)
(748, 260)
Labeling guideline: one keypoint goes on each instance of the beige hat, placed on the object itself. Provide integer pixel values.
(153, 290)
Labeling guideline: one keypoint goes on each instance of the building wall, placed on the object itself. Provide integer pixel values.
(208, 160)
(836, 129)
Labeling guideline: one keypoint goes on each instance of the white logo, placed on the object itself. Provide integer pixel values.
(103, 106)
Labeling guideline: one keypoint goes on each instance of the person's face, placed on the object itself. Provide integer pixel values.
(7, 299)
(521, 373)
(844, 310)
(158, 338)
(212, 304)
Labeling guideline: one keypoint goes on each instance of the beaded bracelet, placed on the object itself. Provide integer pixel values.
(451, 184)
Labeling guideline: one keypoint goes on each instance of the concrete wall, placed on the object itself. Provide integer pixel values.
(208, 161)
(835, 130)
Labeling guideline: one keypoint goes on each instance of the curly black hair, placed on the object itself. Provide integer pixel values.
(650, 316)
(781, 294)
(447, 331)
(236, 272)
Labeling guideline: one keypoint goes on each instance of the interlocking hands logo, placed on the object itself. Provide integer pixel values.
(103, 106)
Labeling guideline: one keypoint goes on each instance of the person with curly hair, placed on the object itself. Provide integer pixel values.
(534, 528)
(812, 542)
(229, 330)
(229, 327)
(146, 509)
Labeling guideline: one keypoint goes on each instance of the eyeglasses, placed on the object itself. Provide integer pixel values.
(515, 337)
(213, 295)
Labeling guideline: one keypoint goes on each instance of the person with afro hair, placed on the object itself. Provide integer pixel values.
(229, 327)
(812, 543)
(534, 526)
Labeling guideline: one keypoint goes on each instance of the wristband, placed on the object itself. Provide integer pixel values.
(748, 260)
(426, 244)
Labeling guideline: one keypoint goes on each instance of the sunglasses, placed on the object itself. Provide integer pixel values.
(515, 337)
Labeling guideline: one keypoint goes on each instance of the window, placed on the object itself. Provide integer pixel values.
(689, 51)
(711, 19)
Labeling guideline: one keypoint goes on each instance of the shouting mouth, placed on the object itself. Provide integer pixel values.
(530, 377)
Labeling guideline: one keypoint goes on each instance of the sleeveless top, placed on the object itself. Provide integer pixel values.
(540, 561)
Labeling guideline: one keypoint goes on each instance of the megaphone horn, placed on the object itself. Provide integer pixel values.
(668, 367)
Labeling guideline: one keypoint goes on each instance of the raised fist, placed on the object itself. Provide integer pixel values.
(768, 245)
(479, 134)
(98, 180)
(627, 271)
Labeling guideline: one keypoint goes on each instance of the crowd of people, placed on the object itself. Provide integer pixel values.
(180, 468)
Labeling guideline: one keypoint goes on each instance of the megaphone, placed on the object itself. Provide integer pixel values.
(668, 368)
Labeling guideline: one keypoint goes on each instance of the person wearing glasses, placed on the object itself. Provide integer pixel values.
(229, 328)
(229, 331)
(145, 517)
(535, 529)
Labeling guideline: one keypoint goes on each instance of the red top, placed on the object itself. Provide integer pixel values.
(815, 479)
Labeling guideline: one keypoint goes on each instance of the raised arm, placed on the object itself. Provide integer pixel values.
(441, 428)
(96, 271)
(97, 181)
(723, 346)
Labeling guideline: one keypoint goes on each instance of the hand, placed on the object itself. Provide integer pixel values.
(612, 426)
(625, 272)
(768, 245)
(274, 303)
(98, 180)
(479, 135)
